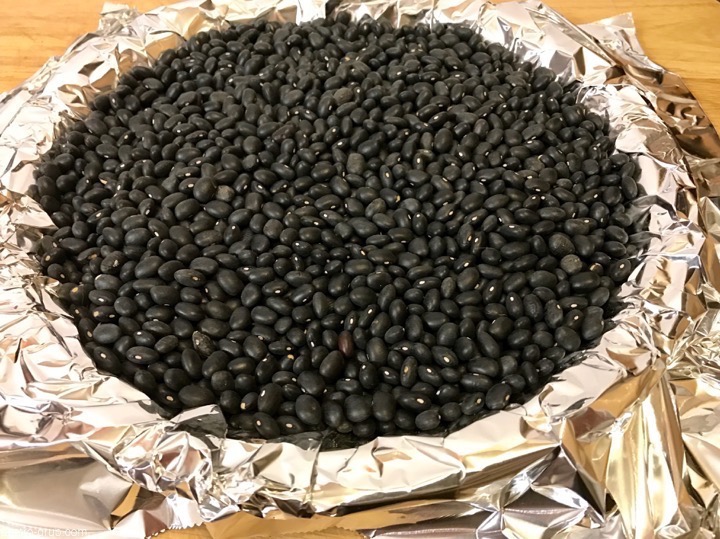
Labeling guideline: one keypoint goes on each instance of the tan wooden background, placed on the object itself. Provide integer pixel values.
(681, 35)
(678, 34)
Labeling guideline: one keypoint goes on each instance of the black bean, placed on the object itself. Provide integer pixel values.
(414, 402)
(266, 426)
(311, 383)
(498, 396)
(553, 314)
(230, 402)
(269, 398)
(428, 420)
(101, 297)
(308, 410)
(358, 408)
(190, 277)
(599, 296)
(592, 325)
(408, 372)
(560, 245)
(229, 281)
(567, 338)
(488, 345)
(584, 282)
(377, 351)
(585, 246)
(450, 412)
(484, 366)
(495, 202)
(519, 339)
(383, 406)
(571, 264)
(332, 366)
(142, 355)
(345, 344)
(166, 344)
(217, 361)
(472, 404)
(363, 296)
(254, 347)
(168, 398)
(467, 280)
(165, 295)
(106, 333)
(192, 363)
(193, 396)
(245, 383)
(202, 344)
(176, 379)
(144, 381)
(106, 360)
(474, 382)
(222, 381)
(289, 424)
(620, 270)
(263, 315)
(333, 414)
(404, 419)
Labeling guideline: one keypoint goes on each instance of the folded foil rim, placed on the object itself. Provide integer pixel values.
(623, 444)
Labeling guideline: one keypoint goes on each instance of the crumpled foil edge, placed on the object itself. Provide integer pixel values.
(624, 444)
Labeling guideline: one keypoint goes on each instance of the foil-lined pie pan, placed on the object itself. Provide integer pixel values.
(625, 443)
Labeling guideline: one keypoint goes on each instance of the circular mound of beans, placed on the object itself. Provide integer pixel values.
(338, 226)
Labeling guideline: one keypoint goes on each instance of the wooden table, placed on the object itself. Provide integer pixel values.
(678, 34)
(681, 35)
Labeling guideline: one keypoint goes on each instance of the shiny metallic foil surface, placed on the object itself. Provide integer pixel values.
(625, 444)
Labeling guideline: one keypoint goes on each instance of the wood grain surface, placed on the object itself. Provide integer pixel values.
(680, 35)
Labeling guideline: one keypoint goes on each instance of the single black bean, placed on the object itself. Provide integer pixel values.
(192, 363)
(428, 420)
(176, 379)
(193, 396)
(142, 355)
(269, 398)
(488, 345)
(472, 404)
(450, 412)
(311, 383)
(332, 366)
(620, 271)
(190, 277)
(217, 361)
(414, 402)
(475, 382)
(144, 381)
(266, 426)
(592, 325)
(498, 396)
(230, 402)
(383, 406)
(567, 339)
(106, 333)
(308, 410)
(358, 408)
(333, 414)
(106, 360)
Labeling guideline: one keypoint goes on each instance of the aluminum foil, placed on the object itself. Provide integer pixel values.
(624, 444)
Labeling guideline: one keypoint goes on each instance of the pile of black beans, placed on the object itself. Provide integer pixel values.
(338, 226)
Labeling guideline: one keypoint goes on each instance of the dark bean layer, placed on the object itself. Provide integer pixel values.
(338, 226)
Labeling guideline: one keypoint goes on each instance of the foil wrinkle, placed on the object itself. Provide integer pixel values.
(624, 444)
